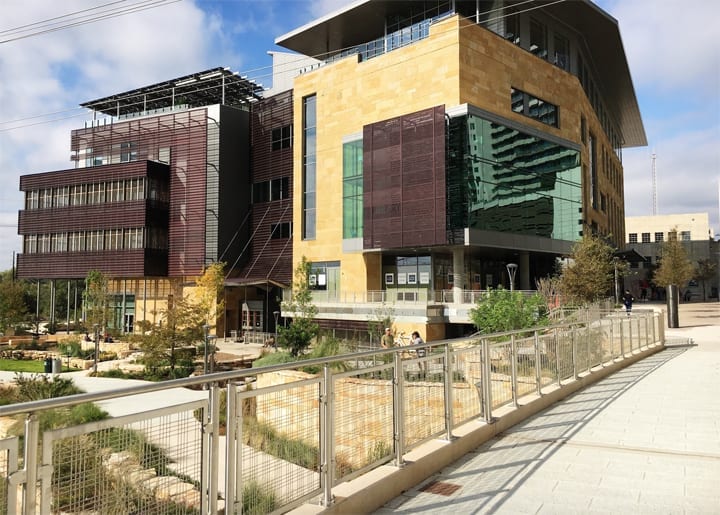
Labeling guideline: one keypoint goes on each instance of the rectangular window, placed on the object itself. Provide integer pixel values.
(135, 189)
(128, 152)
(115, 191)
(353, 189)
(261, 192)
(43, 243)
(94, 240)
(512, 29)
(30, 244)
(32, 199)
(633, 237)
(78, 194)
(672, 236)
(659, 236)
(533, 107)
(76, 241)
(561, 55)
(164, 155)
(538, 39)
(133, 238)
(280, 230)
(646, 237)
(308, 163)
(282, 137)
(62, 196)
(592, 156)
(58, 242)
(279, 189)
(45, 198)
(113, 239)
(96, 193)
(685, 235)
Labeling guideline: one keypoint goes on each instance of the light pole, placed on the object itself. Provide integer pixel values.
(511, 269)
(96, 328)
(206, 328)
(276, 314)
(617, 293)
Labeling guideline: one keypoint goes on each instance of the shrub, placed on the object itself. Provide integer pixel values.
(37, 387)
(257, 499)
(71, 347)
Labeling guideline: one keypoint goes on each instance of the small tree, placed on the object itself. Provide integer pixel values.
(13, 308)
(675, 267)
(299, 334)
(705, 271)
(185, 320)
(502, 310)
(96, 298)
(589, 275)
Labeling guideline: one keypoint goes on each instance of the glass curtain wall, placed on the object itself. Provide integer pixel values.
(501, 179)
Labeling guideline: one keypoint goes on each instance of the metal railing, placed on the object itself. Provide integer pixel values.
(283, 434)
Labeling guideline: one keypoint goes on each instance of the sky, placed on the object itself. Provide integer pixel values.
(670, 47)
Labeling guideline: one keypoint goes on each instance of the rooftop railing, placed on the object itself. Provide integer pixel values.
(269, 439)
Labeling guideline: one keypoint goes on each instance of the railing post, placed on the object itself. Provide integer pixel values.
(327, 463)
(630, 339)
(612, 339)
(30, 465)
(513, 370)
(557, 357)
(448, 375)
(398, 409)
(622, 339)
(486, 378)
(588, 345)
(573, 343)
(213, 430)
(233, 471)
(538, 363)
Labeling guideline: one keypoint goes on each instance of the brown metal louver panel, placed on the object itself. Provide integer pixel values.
(267, 257)
(404, 181)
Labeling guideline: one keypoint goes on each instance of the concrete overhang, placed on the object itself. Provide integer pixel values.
(364, 20)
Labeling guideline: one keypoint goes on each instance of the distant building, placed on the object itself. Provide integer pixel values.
(162, 185)
(438, 142)
(646, 234)
(415, 152)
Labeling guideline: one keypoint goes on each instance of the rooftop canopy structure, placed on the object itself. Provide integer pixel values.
(213, 86)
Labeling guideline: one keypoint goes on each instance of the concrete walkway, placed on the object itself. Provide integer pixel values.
(644, 440)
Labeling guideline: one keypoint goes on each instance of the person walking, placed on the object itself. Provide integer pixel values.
(628, 301)
(387, 339)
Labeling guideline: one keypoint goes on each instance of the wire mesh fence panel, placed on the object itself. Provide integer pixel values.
(363, 421)
(643, 332)
(424, 394)
(279, 457)
(8, 465)
(467, 376)
(565, 364)
(147, 463)
(548, 358)
(525, 367)
(594, 338)
(500, 374)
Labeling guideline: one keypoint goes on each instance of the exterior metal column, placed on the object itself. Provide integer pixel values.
(458, 274)
(524, 268)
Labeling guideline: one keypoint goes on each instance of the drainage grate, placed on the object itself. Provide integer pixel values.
(440, 488)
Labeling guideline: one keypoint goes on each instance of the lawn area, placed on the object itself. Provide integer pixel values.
(30, 366)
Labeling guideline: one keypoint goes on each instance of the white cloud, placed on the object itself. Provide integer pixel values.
(670, 44)
(56, 71)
